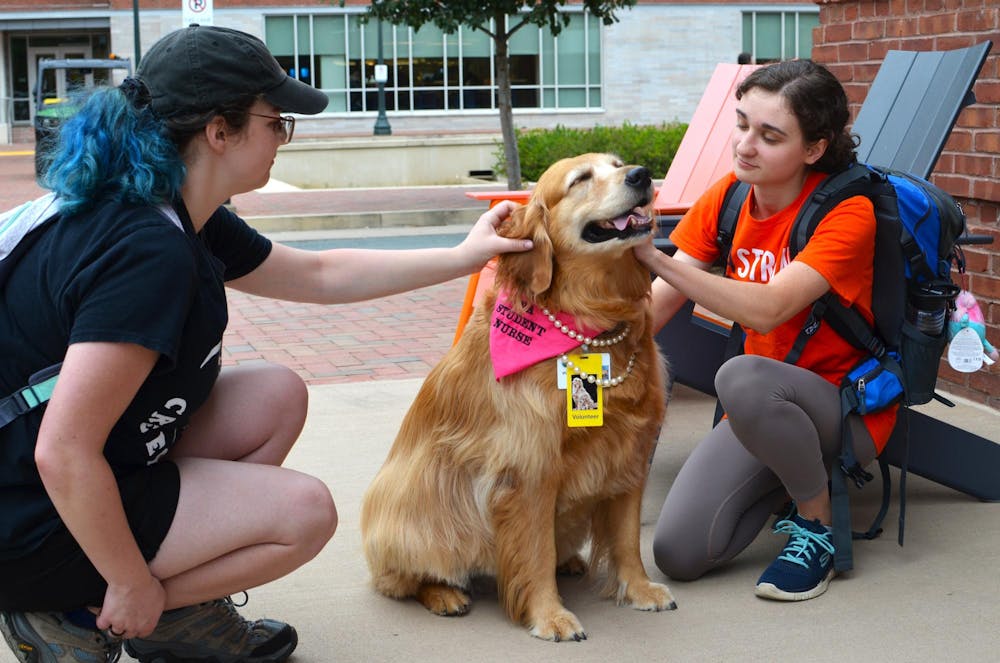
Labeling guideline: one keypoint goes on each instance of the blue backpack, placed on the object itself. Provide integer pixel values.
(917, 226)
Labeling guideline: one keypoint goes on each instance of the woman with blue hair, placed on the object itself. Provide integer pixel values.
(149, 487)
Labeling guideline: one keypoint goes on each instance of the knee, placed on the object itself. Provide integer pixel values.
(315, 514)
(735, 374)
(289, 392)
(674, 558)
(287, 406)
(741, 384)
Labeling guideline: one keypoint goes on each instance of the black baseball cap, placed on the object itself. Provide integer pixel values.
(201, 68)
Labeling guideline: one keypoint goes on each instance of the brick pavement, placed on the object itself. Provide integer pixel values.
(401, 336)
(396, 337)
(17, 175)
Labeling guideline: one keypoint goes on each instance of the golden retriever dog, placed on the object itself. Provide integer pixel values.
(486, 477)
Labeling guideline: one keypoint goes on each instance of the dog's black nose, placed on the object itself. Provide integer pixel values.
(639, 178)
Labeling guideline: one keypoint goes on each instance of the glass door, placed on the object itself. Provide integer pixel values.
(56, 83)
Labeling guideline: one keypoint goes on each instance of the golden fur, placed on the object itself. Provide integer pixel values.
(485, 477)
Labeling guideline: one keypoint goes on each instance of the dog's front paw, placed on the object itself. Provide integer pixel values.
(559, 627)
(443, 599)
(650, 596)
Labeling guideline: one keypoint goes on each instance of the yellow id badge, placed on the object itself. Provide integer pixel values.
(584, 399)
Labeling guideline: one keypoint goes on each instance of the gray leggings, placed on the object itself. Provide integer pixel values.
(781, 436)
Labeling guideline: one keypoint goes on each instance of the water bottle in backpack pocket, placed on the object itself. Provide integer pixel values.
(928, 305)
(923, 336)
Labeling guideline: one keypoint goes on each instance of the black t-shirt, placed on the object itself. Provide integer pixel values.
(116, 273)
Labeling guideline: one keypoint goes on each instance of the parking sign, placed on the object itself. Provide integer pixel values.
(196, 11)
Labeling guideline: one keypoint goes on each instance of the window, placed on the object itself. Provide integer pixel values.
(431, 70)
(785, 35)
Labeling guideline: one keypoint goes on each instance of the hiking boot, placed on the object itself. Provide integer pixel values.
(804, 568)
(216, 632)
(49, 637)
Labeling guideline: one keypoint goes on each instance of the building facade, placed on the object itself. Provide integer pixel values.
(649, 67)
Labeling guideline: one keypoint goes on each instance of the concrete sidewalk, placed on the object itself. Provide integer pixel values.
(933, 599)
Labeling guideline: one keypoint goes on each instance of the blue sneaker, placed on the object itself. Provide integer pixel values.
(786, 512)
(804, 568)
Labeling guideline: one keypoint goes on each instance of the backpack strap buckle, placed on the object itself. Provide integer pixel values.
(859, 475)
(21, 401)
(38, 391)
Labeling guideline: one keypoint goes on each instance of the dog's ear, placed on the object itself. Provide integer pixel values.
(524, 275)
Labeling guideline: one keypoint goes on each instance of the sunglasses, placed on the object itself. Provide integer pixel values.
(284, 126)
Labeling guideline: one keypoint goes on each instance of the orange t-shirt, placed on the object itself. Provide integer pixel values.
(841, 249)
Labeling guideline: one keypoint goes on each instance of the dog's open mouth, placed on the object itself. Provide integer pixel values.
(631, 224)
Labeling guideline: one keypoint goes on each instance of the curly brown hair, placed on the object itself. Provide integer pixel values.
(819, 103)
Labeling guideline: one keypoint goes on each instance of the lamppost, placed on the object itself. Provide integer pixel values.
(382, 127)
(135, 29)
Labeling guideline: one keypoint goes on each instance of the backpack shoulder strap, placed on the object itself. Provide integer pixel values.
(15, 224)
(729, 214)
(855, 180)
(18, 229)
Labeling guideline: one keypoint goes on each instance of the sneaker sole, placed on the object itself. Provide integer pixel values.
(25, 651)
(766, 590)
(185, 654)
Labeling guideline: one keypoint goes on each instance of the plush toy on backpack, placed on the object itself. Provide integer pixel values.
(968, 314)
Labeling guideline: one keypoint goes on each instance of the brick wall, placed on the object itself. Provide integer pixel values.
(852, 39)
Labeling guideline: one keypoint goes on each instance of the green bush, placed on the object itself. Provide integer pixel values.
(650, 146)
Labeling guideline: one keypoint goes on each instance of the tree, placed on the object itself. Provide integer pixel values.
(507, 16)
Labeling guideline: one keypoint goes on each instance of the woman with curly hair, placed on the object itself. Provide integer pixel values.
(782, 430)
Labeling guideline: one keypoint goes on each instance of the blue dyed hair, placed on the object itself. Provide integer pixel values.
(109, 148)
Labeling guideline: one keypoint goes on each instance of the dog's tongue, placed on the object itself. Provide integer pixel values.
(621, 223)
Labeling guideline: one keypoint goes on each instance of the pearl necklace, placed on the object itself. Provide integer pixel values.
(579, 336)
(599, 343)
(606, 382)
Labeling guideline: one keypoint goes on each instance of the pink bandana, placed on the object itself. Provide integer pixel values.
(519, 340)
